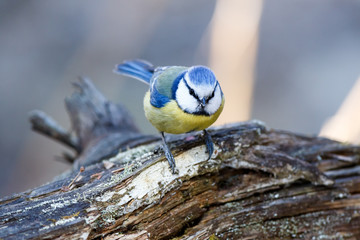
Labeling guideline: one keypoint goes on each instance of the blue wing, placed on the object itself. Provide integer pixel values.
(164, 83)
(157, 99)
(139, 69)
(161, 79)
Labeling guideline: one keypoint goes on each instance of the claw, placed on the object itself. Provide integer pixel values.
(209, 143)
(169, 155)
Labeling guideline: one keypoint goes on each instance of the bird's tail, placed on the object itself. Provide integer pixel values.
(139, 69)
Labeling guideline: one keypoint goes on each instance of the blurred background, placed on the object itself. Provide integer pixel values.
(292, 64)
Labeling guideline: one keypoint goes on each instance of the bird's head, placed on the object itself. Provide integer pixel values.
(198, 92)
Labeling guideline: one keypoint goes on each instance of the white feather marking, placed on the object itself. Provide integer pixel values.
(185, 101)
(215, 102)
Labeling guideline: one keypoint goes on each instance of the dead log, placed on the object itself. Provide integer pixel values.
(260, 183)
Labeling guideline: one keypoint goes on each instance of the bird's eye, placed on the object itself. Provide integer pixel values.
(211, 96)
(191, 91)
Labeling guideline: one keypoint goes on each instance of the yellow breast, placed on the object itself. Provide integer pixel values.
(171, 119)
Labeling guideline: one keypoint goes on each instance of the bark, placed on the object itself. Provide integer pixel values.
(260, 183)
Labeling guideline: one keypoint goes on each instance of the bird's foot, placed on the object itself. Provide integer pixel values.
(169, 155)
(209, 143)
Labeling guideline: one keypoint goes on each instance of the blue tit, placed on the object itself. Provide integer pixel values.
(180, 99)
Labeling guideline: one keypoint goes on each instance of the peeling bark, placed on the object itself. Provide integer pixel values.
(260, 183)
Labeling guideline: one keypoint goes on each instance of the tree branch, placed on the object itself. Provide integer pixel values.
(260, 183)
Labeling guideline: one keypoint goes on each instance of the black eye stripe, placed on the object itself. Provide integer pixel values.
(212, 94)
(191, 91)
(210, 97)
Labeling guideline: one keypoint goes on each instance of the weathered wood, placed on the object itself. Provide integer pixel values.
(101, 127)
(44, 124)
(260, 183)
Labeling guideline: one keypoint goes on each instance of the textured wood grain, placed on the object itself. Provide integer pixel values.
(260, 183)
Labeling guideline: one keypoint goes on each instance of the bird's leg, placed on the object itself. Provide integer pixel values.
(209, 143)
(168, 155)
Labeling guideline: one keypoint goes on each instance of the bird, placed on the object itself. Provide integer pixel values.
(179, 100)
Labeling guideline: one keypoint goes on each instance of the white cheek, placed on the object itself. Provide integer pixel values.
(186, 101)
(214, 103)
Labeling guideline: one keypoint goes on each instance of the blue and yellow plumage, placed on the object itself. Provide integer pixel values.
(180, 99)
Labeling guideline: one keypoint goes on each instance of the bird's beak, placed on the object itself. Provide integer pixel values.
(203, 103)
